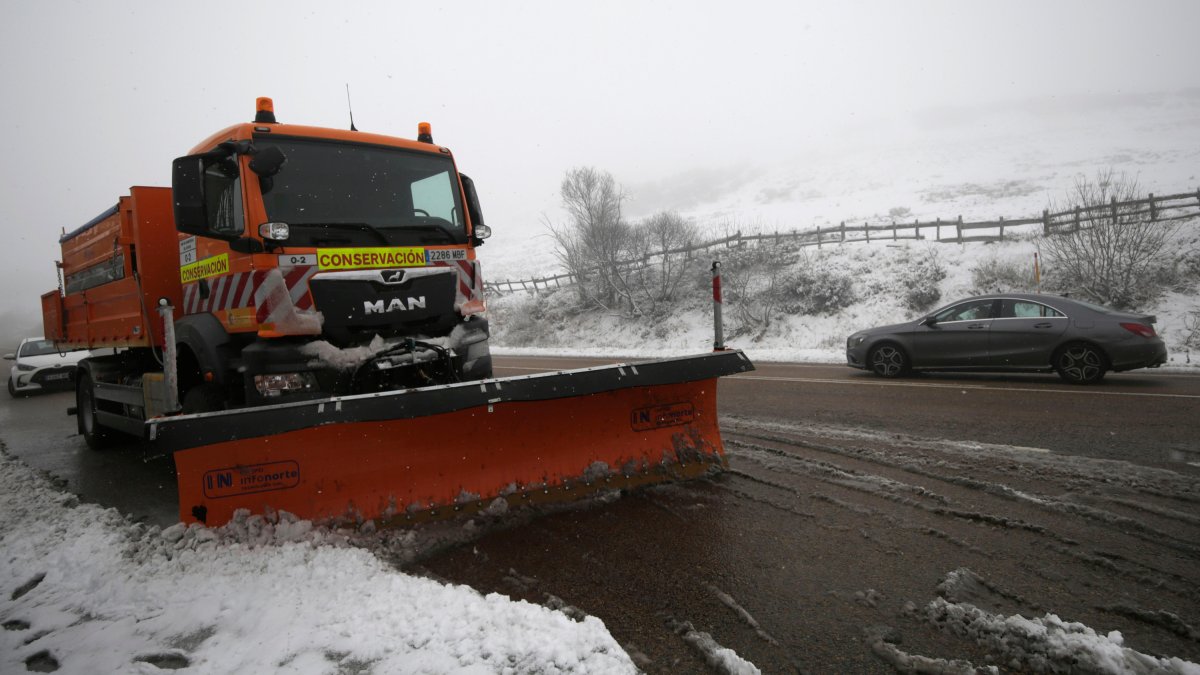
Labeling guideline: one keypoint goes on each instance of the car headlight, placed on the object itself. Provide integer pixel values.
(855, 340)
(25, 366)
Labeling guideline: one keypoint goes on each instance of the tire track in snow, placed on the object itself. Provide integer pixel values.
(785, 460)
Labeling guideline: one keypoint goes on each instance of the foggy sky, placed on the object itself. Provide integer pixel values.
(99, 96)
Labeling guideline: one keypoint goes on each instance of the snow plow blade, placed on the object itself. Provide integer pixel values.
(399, 457)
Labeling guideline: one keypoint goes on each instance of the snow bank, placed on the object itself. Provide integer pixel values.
(84, 589)
(1049, 644)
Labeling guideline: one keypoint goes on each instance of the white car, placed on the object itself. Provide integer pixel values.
(40, 367)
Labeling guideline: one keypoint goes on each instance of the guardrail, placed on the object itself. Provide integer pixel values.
(1160, 209)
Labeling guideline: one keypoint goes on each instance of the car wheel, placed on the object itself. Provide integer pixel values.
(888, 360)
(1080, 364)
(96, 436)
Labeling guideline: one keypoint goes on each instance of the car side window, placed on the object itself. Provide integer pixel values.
(1025, 309)
(967, 311)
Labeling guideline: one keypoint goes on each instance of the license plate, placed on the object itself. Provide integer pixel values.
(57, 376)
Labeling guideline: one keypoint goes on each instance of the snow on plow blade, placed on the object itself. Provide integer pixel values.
(399, 456)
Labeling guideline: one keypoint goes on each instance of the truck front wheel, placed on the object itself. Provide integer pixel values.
(96, 436)
(202, 398)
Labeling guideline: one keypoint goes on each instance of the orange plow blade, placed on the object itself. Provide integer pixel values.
(419, 453)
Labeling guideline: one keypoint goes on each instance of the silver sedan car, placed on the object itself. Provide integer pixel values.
(1017, 332)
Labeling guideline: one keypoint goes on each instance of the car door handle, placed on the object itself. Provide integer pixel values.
(977, 326)
(1042, 325)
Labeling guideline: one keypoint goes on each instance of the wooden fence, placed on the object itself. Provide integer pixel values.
(1159, 209)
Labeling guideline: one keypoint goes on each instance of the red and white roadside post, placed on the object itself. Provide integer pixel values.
(718, 328)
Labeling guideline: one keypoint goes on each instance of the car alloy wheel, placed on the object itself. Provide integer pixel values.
(888, 361)
(1080, 364)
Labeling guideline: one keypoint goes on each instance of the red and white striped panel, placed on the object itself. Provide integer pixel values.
(294, 279)
(227, 291)
(240, 289)
(470, 281)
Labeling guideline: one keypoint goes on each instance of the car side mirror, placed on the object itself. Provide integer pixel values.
(10, 357)
(929, 321)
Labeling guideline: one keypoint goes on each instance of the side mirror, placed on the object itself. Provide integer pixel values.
(206, 195)
(10, 357)
(187, 193)
(928, 321)
(479, 231)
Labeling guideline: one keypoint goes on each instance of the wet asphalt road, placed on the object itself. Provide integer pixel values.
(849, 505)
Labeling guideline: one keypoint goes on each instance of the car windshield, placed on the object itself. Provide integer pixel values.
(347, 194)
(37, 348)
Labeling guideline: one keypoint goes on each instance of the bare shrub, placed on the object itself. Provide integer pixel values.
(919, 278)
(664, 239)
(1191, 330)
(1115, 256)
(995, 275)
(753, 277)
(813, 287)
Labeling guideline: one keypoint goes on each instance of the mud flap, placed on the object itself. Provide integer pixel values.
(434, 451)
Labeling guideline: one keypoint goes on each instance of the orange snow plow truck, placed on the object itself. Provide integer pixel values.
(300, 320)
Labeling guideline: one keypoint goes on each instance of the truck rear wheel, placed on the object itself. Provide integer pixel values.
(96, 436)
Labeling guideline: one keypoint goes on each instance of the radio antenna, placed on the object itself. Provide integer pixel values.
(349, 107)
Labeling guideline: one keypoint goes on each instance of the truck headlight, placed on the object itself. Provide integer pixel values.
(278, 384)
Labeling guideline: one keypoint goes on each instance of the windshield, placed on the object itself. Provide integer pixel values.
(343, 194)
(38, 348)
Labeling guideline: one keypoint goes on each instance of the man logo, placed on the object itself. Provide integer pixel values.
(393, 276)
(394, 305)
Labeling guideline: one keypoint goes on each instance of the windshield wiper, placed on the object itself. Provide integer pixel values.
(433, 227)
(334, 227)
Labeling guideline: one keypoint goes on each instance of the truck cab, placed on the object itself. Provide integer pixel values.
(317, 262)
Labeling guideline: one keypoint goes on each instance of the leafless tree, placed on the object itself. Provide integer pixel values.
(595, 243)
(1113, 256)
(621, 267)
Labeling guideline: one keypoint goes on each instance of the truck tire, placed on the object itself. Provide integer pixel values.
(202, 398)
(96, 436)
(477, 365)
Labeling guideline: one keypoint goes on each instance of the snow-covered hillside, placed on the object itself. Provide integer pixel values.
(548, 323)
(978, 164)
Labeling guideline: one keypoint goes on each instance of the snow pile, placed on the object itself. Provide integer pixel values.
(721, 659)
(1049, 644)
(84, 590)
